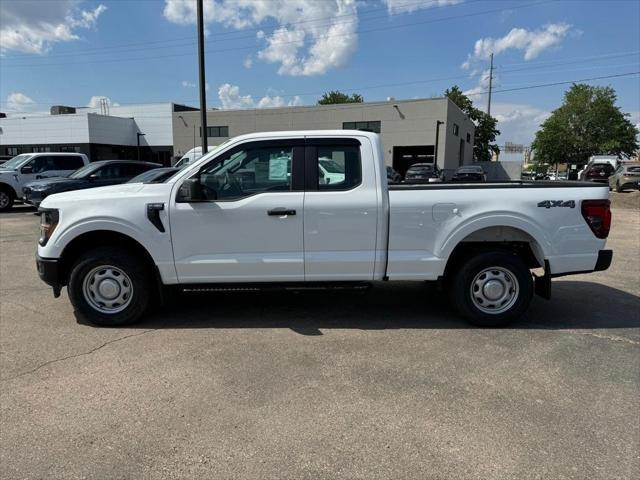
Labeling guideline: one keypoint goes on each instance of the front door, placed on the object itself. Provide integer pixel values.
(250, 228)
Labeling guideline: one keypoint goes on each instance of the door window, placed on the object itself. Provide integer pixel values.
(248, 171)
(67, 162)
(339, 167)
(108, 172)
(43, 164)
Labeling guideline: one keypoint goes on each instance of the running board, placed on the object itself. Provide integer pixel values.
(260, 287)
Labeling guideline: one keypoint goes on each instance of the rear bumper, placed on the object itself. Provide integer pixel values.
(543, 283)
(49, 272)
(602, 263)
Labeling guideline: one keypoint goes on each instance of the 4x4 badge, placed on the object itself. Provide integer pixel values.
(557, 203)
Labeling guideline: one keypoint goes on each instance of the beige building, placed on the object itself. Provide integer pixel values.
(407, 127)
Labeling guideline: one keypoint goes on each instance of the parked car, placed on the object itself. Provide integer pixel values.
(422, 173)
(598, 172)
(393, 176)
(27, 167)
(190, 157)
(627, 175)
(5, 158)
(157, 175)
(96, 174)
(469, 173)
(330, 171)
(117, 249)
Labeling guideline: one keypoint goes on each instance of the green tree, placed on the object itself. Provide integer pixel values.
(486, 126)
(587, 123)
(335, 96)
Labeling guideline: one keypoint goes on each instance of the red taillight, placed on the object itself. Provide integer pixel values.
(597, 213)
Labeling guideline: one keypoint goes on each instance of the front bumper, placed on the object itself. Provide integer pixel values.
(32, 197)
(49, 272)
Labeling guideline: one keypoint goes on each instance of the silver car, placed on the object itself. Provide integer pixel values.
(627, 175)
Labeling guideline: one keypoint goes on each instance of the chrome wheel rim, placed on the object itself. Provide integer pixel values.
(494, 290)
(4, 200)
(107, 289)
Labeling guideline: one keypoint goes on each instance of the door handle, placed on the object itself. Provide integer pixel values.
(280, 212)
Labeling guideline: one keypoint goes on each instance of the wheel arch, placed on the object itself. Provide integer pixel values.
(101, 238)
(9, 188)
(500, 238)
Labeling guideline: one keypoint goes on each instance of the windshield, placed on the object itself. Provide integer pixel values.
(16, 162)
(84, 171)
(157, 175)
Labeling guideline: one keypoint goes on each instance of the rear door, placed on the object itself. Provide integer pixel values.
(340, 210)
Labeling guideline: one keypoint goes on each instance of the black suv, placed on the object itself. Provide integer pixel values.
(96, 174)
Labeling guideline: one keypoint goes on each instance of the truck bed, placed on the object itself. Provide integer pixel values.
(488, 185)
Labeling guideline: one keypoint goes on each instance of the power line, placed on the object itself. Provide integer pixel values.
(251, 47)
(375, 104)
(352, 89)
(255, 30)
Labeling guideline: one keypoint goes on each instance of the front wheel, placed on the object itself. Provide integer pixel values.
(109, 287)
(491, 289)
(6, 200)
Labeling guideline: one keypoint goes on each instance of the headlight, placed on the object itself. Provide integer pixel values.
(48, 223)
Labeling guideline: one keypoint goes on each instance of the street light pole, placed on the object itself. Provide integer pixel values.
(203, 94)
(438, 123)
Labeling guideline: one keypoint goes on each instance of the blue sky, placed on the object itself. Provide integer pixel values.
(263, 53)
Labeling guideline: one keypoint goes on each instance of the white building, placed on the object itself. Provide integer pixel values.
(142, 131)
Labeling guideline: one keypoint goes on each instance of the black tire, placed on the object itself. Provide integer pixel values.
(6, 199)
(135, 270)
(463, 278)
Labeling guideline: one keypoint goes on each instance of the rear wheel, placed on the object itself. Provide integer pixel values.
(6, 199)
(109, 287)
(491, 289)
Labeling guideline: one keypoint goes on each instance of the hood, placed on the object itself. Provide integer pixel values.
(89, 194)
(54, 182)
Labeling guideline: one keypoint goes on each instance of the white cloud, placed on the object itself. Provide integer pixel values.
(31, 26)
(248, 62)
(304, 42)
(230, 98)
(408, 6)
(95, 101)
(517, 122)
(19, 102)
(483, 84)
(531, 42)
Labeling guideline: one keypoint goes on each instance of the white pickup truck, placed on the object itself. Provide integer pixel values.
(255, 211)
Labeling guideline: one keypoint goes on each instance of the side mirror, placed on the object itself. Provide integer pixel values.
(27, 169)
(191, 191)
(92, 177)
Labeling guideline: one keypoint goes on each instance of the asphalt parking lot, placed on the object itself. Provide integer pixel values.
(386, 383)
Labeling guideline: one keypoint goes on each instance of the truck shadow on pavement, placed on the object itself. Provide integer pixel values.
(576, 305)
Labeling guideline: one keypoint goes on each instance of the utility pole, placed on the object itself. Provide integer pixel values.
(490, 85)
(203, 93)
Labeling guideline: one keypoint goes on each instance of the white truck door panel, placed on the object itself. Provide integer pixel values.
(251, 228)
(340, 220)
(243, 242)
